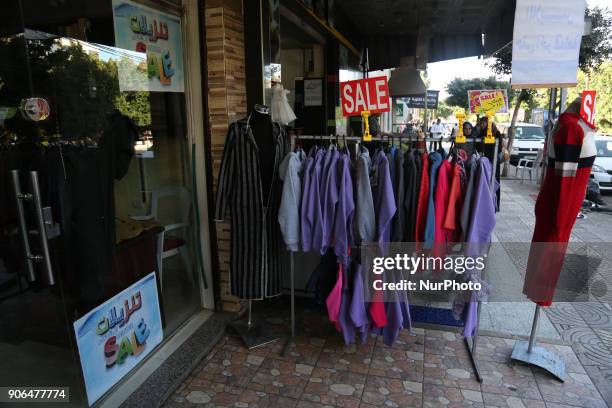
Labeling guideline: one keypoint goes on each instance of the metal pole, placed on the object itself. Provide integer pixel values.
(249, 322)
(534, 329)
(292, 297)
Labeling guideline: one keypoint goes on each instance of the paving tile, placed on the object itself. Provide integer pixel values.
(278, 377)
(450, 372)
(390, 392)
(564, 313)
(258, 399)
(513, 380)
(305, 350)
(505, 401)
(494, 349)
(410, 340)
(400, 364)
(596, 315)
(334, 387)
(309, 404)
(207, 394)
(230, 368)
(435, 396)
(445, 343)
(602, 378)
(588, 346)
(354, 357)
(233, 343)
(578, 390)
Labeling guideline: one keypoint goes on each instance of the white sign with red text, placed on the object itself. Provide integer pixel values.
(587, 107)
(368, 94)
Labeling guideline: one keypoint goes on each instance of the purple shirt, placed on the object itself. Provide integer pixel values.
(384, 199)
(306, 224)
(329, 197)
(357, 309)
(342, 235)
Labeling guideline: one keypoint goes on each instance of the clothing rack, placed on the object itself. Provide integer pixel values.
(470, 343)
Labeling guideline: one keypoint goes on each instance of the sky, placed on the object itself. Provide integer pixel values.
(441, 73)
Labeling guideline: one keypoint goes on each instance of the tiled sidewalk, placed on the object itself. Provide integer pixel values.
(425, 368)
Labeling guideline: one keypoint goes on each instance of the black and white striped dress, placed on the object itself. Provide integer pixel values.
(256, 240)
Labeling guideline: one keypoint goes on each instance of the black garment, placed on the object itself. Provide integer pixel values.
(489, 151)
(410, 192)
(256, 240)
(79, 187)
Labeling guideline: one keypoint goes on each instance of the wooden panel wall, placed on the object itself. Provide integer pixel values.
(226, 103)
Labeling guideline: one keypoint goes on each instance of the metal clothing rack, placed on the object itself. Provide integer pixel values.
(470, 343)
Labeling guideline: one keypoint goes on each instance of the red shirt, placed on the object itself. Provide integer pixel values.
(421, 215)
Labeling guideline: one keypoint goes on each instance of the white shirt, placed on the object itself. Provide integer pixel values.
(437, 129)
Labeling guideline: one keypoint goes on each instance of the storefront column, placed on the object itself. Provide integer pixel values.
(226, 104)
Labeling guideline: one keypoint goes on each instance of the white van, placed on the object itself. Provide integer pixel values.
(528, 139)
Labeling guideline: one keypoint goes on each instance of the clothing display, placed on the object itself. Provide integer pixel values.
(395, 195)
(571, 153)
(250, 185)
(281, 110)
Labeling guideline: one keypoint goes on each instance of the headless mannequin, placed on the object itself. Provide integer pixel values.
(262, 128)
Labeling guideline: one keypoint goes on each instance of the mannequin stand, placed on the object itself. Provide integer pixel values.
(528, 352)
(290, 340)
(253, 334)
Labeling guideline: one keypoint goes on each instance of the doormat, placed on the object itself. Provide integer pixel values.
(434, 315)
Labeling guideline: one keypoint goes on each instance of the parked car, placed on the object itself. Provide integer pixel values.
(601, 171)
(528, 138)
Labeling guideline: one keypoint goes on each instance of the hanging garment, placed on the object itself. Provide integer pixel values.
(435, 160)
(334, 300)
(410, 196)
(481, 225)
(307, 200)
(290, 171)
(349, 329)
(256, 240)
(281, 110)
(384, 200)
(323, 278)
(391, 154)
(329, 197)
(343, 221)
(315, 210)
(399, 224)
(441, 198)
(357, 309)
(422, 203)
(570, 158)
(455, 201)
(365, 221)
(470, 169)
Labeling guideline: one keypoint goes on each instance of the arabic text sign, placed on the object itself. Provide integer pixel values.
(491, 100)
(546, 42)
(115, 336)
(368, 94)
(418, 101)
(153, 59)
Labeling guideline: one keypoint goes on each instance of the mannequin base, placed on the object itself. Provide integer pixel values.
(253, 335)
(539, 357)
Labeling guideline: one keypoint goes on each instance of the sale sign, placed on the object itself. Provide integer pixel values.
(587, 107)
(117, 335)
(368, 94)
(483, 101)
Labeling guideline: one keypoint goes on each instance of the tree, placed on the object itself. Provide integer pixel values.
(594, 50)
(457, 88)
(444, 111)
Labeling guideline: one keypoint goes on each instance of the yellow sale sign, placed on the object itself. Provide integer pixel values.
(483, 101)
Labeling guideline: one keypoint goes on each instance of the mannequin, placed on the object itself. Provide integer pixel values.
(261, 125)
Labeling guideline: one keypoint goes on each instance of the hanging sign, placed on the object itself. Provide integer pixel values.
(546, 43)
(117, 335)
(491, 100)
(587, 107)
(368, 94)
(35, 109)
(153, 60)
(418, 101)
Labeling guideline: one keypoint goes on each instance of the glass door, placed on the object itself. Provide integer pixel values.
(36, 341)
(95, 185)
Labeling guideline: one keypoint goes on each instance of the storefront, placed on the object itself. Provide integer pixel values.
(101, 249)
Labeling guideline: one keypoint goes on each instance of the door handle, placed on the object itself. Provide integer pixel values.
(42, 231)
(19, 198)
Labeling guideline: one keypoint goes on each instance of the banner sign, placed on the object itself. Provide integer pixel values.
(489, 100)
(368, 94)
(115, 336)
(153, 60)
(587, 107)
(418, 101)
(546, 43)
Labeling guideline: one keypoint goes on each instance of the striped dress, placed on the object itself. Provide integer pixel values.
(256, 240)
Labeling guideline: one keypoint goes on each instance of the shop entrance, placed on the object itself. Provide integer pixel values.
(95, 189)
